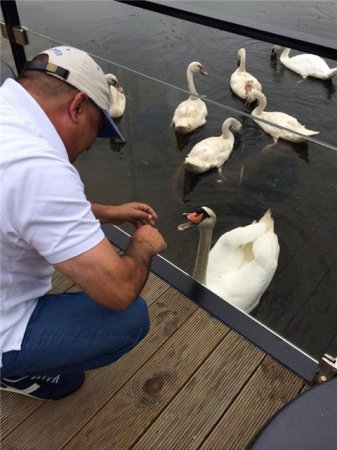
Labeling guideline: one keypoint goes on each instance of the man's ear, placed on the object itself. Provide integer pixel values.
(76, 106)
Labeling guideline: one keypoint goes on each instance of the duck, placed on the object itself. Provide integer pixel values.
(191, 113)
(214, 151)
(279, 118)
(118, 100)
(305, 64)
(240, 77)
(243, 261)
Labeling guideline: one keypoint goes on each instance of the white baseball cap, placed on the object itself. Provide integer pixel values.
(77, 68)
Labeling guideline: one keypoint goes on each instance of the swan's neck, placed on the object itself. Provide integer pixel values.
(285, 54)
(262, 103)
(200, 268)
(242, 66)
(226, 133)
(190, 82)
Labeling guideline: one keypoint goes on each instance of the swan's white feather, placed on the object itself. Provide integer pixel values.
(191, 113)
(214, 151)
(242, 264)
(279, 118)
(240, 77)
(117, 96)
(307, 65)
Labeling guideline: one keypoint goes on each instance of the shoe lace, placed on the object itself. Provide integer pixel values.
(46, 378)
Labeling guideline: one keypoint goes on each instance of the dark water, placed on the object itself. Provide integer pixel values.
(309, 21)
(298, 182)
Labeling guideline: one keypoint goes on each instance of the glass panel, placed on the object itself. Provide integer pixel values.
(296, 181)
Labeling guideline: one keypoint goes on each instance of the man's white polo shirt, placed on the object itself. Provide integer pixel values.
(45, 217)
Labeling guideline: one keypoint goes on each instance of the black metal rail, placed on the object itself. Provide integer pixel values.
(11, 18)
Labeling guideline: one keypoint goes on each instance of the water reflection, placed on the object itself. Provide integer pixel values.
(190, 181)
(182, 141)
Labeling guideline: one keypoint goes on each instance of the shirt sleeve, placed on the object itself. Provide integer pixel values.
(50, 210)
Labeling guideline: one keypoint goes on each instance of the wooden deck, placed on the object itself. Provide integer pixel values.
(191, 384)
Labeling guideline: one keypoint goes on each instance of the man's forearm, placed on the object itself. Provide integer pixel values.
(101, 212)
(141, 253)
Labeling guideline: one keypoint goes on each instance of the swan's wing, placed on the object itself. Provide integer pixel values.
(189, 116)
(239, 80)
(193, 109)
(117, 102)
(245, 288)
(232, 251)
(241, 235)
(242, 287)
(307, 64)
(266, 251)
(284, 120)
(210, 152)
(243, 282)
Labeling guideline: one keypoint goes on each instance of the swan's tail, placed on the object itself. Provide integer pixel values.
(332, 73)
(309, 132)
(268, 220)
(184, 126)
(195, 166)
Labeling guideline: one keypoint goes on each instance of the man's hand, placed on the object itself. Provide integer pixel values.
(135, 213)
(148, 239)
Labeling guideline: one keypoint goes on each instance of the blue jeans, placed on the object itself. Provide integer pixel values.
(70, 332)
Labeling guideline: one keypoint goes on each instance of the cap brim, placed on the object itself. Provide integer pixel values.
(109, 128)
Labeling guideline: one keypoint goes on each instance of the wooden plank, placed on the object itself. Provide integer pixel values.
(185, 423)
(152, 388)
(154, 288)
(60, 283)
(14, 410)
(66, 417)
(271, 387)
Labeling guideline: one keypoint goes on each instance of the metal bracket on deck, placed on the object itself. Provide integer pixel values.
(328, 366)
(16, 35)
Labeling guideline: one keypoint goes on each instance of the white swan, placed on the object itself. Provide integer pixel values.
(213, 151)
(279, 118)
(240, 77)
(241, 264)
(191, 113)
(117, 96)
(306, 64)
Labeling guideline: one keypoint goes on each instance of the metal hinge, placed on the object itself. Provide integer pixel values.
(17, 35)
(328, 366)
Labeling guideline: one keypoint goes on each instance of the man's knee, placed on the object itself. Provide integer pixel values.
(140, 319)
